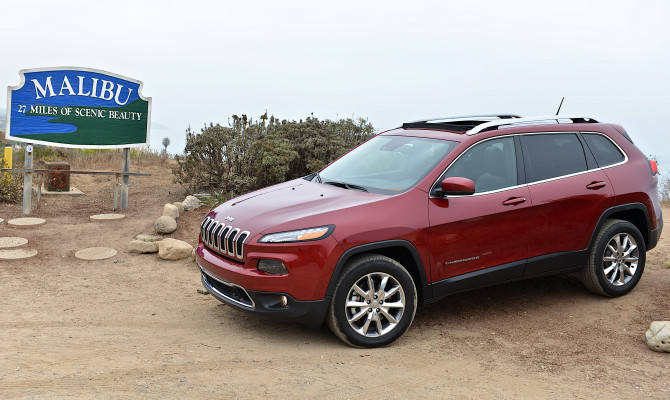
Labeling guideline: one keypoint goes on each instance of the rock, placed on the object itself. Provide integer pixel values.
(202, 291)
(179, 206)
(145, 237)
(173, 249)
(139, 246)
(658, 336)
(171, 211)
(165, 224)
(190, 203)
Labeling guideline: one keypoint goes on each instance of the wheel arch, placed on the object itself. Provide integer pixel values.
(635, 213)
(399, 250)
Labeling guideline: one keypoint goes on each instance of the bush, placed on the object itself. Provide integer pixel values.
(11, 184)
(248, 154)
(664, 189)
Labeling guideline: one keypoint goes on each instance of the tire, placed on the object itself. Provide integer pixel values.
(364, 318)
(616, 260)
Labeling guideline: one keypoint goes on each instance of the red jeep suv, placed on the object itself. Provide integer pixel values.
(432, 208)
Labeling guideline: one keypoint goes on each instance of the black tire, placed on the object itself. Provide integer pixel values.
(615, 273)
(386, 320)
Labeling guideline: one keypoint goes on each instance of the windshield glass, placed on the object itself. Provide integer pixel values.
(386, 164)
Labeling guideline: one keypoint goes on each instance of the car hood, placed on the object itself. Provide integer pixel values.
(291, 205)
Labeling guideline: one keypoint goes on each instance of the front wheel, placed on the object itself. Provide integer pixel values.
(616, 260)
(374, 302)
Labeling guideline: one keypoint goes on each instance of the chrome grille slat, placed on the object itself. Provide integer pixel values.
(230, 241)
(224, 239)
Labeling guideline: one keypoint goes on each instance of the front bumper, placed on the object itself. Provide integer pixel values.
(267, 304)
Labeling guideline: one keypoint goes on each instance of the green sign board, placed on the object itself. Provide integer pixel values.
(78, 107)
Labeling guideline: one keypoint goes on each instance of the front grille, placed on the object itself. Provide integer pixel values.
(232, 292)
(224, 239)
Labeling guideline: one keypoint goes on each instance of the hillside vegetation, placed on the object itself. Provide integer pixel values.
(250, 154)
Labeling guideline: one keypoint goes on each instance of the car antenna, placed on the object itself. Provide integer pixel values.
(560, 105)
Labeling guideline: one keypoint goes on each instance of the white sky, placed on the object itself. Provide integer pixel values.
(388, 61)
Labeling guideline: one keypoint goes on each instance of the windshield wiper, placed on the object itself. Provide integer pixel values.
(345, 185)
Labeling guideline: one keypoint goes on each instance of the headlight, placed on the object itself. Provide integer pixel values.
(301, 235)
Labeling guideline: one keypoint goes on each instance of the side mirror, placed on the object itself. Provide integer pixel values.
(456, 186)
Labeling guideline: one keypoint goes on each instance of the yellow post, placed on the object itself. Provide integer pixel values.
(8, 157)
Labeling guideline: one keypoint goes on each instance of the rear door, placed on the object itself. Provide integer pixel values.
(568, 193)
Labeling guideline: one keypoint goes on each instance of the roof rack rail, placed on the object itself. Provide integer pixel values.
(575, 119)
(458, 124)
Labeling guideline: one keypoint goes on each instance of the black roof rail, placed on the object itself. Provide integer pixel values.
(460, 124)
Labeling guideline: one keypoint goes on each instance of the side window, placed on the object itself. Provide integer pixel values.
(553, 155)
(491, 165)
(605, 152)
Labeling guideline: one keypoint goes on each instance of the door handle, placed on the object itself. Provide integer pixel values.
(512, 201)
(596, 185)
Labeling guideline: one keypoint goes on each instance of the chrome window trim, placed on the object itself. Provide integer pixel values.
(210, 287)
(531, 183)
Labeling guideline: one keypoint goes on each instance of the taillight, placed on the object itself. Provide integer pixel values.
(653, 166)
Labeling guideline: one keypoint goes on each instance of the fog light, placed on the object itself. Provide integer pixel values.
(274, 267)
(283, 301)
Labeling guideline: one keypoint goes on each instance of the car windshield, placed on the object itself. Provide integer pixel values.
(386, 164)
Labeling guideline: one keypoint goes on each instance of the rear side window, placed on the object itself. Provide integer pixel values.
(605, 152)
(553, 155)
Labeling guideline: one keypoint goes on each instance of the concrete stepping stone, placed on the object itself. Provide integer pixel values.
(95, 253)
(26, 222)
(107, 217)
(12, 241)
(16, 254)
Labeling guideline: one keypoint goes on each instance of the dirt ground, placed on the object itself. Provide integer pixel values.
(135, 326)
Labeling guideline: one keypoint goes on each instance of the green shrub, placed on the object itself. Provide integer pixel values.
(248, 154)
(11, 184)
(664, 189)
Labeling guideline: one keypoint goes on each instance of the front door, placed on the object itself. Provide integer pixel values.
(469, 235)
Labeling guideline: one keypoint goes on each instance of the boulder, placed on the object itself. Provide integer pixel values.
(139, 246)
(179, 206)
(658, 336)
(190, 203)
(173, 249)
(145, 237)
(171, 211)
(165, 224)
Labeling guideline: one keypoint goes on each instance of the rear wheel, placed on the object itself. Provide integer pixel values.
(616, 261)
(374, 302)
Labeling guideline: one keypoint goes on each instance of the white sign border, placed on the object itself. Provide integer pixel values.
(74, 146)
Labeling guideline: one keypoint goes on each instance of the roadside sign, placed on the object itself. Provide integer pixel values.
(78, 107)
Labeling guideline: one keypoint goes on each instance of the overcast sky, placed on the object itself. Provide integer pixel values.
(387, 61)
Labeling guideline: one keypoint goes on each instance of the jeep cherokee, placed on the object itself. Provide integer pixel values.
(432, 208)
